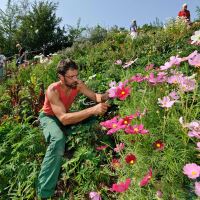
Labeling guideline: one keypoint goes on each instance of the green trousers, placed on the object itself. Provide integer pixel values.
(55, 135)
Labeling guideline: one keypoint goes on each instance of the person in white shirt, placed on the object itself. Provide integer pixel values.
(2, 62)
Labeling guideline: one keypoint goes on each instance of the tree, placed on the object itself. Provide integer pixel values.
(8, 26)
(40, 27)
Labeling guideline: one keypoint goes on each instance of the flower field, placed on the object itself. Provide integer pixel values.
(145, 147)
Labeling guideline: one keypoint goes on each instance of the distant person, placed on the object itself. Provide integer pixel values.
(21, 55)
(2, 62)
(133, 29)
(184, 13)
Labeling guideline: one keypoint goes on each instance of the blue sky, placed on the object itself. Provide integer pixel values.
(108, 13)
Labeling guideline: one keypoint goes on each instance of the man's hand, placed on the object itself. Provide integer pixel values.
(104, 97)
(100, 108)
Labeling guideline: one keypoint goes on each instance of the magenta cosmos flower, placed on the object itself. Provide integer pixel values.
(192, 170)
(146, 178)
(123, 92)
(136, 129)
(122, 186)
(95, 196)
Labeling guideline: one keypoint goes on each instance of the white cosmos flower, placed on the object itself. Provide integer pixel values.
(196, 37)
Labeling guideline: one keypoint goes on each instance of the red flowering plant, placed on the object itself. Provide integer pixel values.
(146, 178)
(130, 158)
(122, 186)
(158, 145)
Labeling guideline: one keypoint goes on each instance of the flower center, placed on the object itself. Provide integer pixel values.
(136, 130)
(122, 92)
(158, 145)
(125, 122)
(194, 173)
(114, 125)
(132, 161)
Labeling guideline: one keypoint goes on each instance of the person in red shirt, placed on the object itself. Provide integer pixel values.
(184, 13)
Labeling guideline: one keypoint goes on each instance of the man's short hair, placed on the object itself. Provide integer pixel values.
(184, 5)
(65, 65)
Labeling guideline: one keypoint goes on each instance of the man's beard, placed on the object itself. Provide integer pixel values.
(73, 85)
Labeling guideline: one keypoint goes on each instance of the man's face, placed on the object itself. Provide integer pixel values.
(71, 78)
(184, 7)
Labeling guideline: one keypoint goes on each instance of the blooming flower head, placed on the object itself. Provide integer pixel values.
(99, 148)
(137, 78)
(95, 196)
(165, 102)
(198, 146)
(122, 186)
(136, 129)
(146, 178)
(195, 61)
(159, 194)
(119, 147)
(197, 188)
(118, 62)
(115, 163)
(123, 92)
(192, 170)
(174, 95)
(186, 84)
(130, 159)
(196, 38)
(158, 145)
(149, 67)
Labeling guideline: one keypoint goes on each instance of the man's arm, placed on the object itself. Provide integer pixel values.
(92, 95)
(74, 117)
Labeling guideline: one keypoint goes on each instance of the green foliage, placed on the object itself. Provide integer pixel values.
(84, 168)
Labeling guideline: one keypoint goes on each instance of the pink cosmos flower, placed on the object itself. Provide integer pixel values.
(137, 78)
(195, 61)
(197, 188)
(113, 124)
(112, 92)
(194, 128)
(174, 79)
(95, 196)
(174, 60)
(112, 84)
(149, 67)
(118, 62)
(198, 146)
(146, 178)
(122, 186)
(192, 170)
(110, 123)
(192, 55)
(165, 102)
(136, 129)
(187, 84)
(174, 95)
(119, 147)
